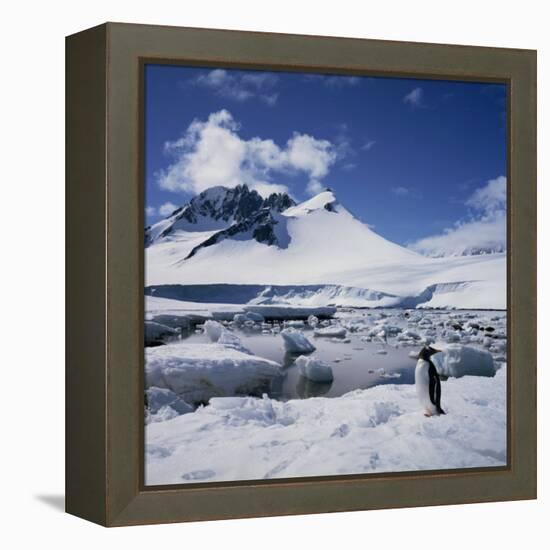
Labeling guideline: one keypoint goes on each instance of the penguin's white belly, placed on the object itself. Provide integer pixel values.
(422, 383)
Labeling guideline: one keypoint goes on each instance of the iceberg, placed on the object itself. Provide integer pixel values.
(296, 342)
(457, 360)
(314, 369)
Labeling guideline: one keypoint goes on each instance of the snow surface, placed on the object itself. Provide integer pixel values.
(381, 429)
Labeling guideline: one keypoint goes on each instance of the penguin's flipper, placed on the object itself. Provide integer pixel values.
(435, 388)
(433, 382)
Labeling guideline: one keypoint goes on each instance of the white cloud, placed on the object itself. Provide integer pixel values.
(414, 97)
(368, 145)
(484, 231)
(240, 86)
(212, 153)
(400, 191)
(333, 81)
(491, 198)
(150, 211)
(311, 155)
(167, 208)
(340, 81)
(314, 187)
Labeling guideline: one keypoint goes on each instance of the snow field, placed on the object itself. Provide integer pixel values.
(381, 429)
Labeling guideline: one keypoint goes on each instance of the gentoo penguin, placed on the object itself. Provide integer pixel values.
(428, 385)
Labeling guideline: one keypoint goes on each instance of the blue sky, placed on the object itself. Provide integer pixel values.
(415, 159)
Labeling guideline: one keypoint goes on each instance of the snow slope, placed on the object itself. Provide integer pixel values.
(381, 429)
(325, 244)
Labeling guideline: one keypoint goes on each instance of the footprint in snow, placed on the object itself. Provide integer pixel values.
(198, 475)
(341, 431)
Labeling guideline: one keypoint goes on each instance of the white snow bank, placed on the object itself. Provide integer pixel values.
(296, 342)
(314, 369)
(457, 360)
(197, 372)
(381, 429)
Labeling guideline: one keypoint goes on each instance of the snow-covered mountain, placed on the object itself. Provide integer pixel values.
(234, 236)
(237, 210)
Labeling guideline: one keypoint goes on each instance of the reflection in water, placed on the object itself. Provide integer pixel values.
(307, 388)
(290, 358)
(356, 364)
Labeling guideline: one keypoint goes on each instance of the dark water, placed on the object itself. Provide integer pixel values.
(355, 365)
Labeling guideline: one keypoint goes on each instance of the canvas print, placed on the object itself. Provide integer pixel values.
(325, 275)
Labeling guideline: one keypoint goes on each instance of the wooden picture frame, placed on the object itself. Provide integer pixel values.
(104, 366)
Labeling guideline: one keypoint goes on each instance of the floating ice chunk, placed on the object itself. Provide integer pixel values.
(381, 352)
(487, 342)
(452, 336)
(231, 340)
(312, 321)
(408, 335)
(254, 316)
(213, 330)
(314, 369)
(239, 319)
(390, 375)
(333, 331)
(296, 342)
(457, 360)
(499, 345)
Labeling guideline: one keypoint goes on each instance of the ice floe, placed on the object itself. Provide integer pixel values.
(198, 372)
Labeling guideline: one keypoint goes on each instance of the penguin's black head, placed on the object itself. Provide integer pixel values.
(426, 352)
